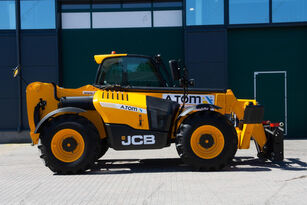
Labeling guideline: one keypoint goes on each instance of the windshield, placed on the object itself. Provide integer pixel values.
(127, 70)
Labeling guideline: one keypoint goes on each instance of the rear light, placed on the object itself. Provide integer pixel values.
(113, 52)
(274, 124)
(266, 122)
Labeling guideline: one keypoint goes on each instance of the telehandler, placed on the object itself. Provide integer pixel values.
(137, 103)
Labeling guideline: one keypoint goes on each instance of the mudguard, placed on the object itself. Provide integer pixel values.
(57, 111)
(190, 109)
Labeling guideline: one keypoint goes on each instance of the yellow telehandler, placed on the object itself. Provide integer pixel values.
(137, 103)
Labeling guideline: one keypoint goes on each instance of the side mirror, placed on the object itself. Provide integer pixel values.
(173, 64)
(16, 71)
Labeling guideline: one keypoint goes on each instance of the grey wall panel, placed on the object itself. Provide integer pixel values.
(205, 57)
(7, 48)
(208, 75)
(40, 73)
(204, 46)
(9, 117)
(39, 48)
(25, 114)
(8, 84)
(39, 60)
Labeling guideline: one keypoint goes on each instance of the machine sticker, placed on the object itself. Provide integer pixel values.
(88, 92)
(138, 140)
(123, 107)
(190, 99)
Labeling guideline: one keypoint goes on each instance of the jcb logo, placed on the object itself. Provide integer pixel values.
(138, 140)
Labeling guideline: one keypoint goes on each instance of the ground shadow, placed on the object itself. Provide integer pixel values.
(249, 163)
(125, 166)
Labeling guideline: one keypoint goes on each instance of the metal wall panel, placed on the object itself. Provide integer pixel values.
(272, 49)
(39, 57)
(8, 85)
(39, 62)
(205, 57)
(80, 45)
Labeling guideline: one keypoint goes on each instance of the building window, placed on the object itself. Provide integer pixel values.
(124, 19)
(167, 18)
(37, 14)
(209, 12)
(121, 13)
(248, 11)
(289, 11)
(76, 20)
(7, 14)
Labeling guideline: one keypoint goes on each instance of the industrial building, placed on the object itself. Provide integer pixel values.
(255, 47)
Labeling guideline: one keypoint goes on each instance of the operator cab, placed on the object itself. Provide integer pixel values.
(133, 70)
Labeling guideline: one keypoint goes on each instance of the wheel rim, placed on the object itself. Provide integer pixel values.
(67, 145)
(207, 142)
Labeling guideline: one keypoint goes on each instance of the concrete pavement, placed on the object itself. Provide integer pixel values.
(154, 177)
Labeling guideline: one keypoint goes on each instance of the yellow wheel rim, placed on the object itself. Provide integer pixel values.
(67, 145)
(207, 142)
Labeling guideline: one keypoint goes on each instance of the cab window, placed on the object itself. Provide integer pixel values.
(111, 72)
(141, 72)
(133, 71)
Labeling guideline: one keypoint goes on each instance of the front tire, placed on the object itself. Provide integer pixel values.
(69, 144)
(206, 140)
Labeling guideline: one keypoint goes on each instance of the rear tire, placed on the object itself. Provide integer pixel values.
(69, 144)
(206, 140)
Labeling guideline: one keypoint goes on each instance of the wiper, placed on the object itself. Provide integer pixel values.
(115, 87)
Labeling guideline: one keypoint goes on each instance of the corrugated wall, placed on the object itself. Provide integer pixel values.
(272, 49)
(80, 45)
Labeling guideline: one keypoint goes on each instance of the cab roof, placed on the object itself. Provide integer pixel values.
(100, 58)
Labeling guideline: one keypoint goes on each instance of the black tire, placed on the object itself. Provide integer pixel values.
(103, 148)
(217, 120)
(90, 149)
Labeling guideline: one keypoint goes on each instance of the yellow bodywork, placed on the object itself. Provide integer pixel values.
(100, 58)
(134, 99)
(138, 120)
(122, 108)
(45, 91)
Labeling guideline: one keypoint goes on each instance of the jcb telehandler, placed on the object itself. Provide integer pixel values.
(137, 103)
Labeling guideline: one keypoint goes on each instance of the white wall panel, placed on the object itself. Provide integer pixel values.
(121, 19)
(172, 18)
(76, 20)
